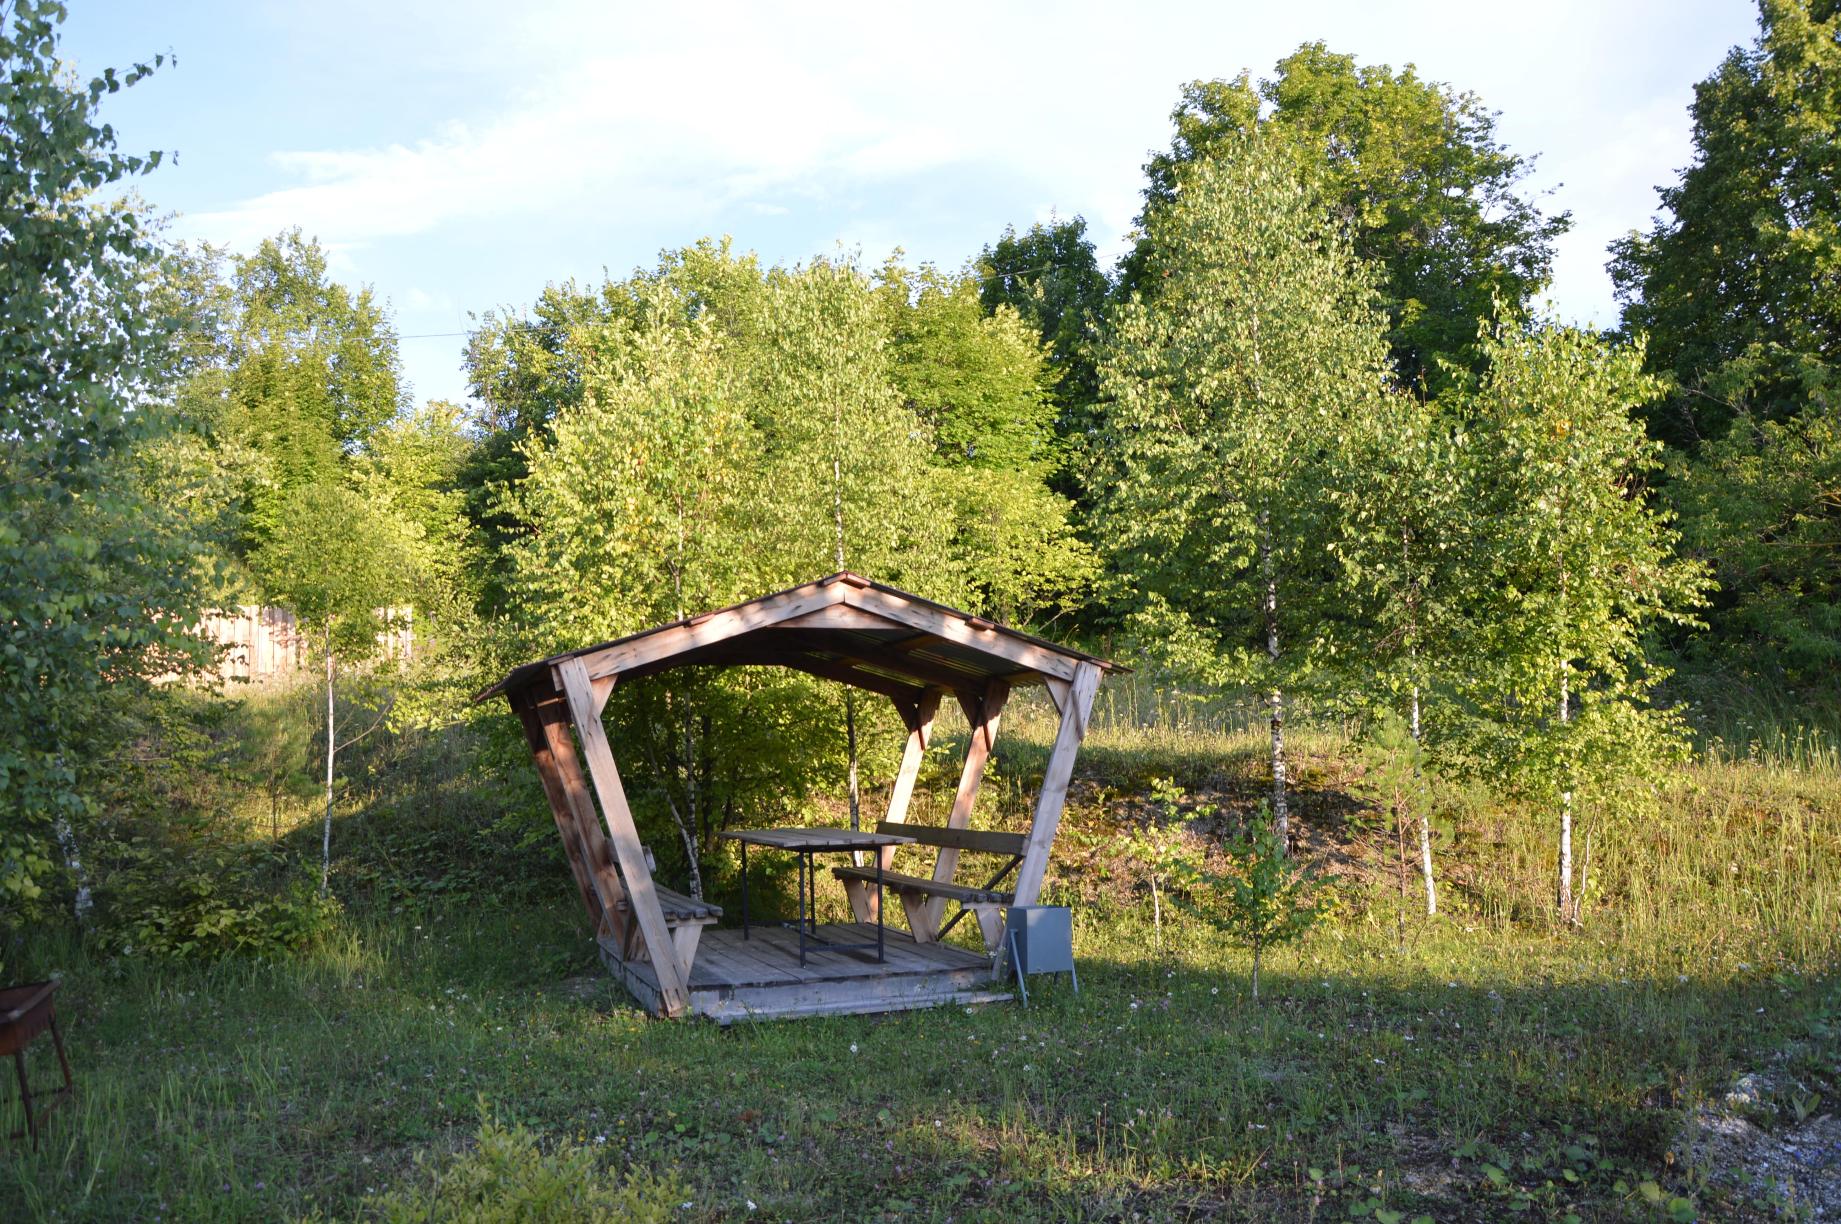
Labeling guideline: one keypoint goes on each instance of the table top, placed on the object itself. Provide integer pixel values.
(817, 839)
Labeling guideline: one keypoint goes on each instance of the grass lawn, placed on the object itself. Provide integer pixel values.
(1479, 1066)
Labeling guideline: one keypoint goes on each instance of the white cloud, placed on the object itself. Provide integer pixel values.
(614, 129)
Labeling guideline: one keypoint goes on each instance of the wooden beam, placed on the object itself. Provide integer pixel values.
(578, 688)
(831, 669)
(983, 715)
(989, 640)
(842, 616)
(920, 734)
(868, 654)
(1054, 794)
(1057, 693)
(707, 630)
(553, 720)
(556, 792)
(603, 689)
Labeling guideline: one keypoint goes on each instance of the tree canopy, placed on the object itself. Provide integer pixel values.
(1417, 177)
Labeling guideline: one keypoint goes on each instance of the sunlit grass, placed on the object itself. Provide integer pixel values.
(1395, 1065)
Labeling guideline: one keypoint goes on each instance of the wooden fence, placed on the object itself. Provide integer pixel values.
(263, 642)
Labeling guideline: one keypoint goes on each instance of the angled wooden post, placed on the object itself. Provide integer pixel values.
(864, 904)
(1055, 781)
(556, 791)
(982, 715)
(585, 712)
(553, 717)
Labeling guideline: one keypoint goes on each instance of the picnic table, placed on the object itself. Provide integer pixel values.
(805, 843)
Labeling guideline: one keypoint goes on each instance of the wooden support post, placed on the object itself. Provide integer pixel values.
(556, 791)
(642, 898)
(1057, 693)
(553, 719)
(919, 908)
(1055, 779)
(983, 716)
(920, 734)
(864, 903)
(990, 924)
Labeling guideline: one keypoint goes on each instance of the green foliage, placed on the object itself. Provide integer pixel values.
(1050, 276)
(507, 1178)
(1762, 507)
(1256, 352)
(1736, 288)
(1416, 174)
(731, 424)
(1736, 292)
(209, 902)
(98, 577)
(1579, 568)
(292, 374)
(1160, 848)
(336, 563)
(979, 383)
(1266, 900)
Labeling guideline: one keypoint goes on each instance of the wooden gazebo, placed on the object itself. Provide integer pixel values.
(665, 946)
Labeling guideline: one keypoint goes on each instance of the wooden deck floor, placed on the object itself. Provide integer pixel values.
(759, 978)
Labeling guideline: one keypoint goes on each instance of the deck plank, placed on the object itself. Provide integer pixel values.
(761, 978)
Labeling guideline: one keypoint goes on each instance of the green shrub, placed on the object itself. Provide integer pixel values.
(210, 905)
(506, 1176)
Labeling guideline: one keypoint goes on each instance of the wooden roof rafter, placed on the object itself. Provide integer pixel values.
(843, 617)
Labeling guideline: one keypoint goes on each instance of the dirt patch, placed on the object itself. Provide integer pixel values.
(1797, 1165)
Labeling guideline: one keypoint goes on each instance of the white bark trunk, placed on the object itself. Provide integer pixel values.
(1425, 826)
(332, 746)
(1568, 912)
(850, 694)
(83, 902)
(688, 827)
(1281, 816)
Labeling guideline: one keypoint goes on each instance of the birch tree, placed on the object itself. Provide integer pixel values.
(1579, 567)
(340, 565)
(1257, 348)
(1409, 560)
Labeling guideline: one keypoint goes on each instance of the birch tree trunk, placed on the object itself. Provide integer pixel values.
(1281, 821)
(1568, 912)
(850, 694)
(84, 901)
(680, 816)
(1425, 827)
(331, 748)
(692, 819)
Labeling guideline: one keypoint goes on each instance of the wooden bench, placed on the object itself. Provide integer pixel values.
(923, 898)
(685, 918)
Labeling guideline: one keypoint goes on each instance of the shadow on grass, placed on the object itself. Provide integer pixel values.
(259, 1089)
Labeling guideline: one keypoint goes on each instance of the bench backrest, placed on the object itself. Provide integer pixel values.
(957, 839)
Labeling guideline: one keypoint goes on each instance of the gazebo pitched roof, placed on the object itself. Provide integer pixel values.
(843, 627)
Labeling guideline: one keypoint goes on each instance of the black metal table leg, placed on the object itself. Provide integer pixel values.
(744, 846)
(878, 853)
(802, 875)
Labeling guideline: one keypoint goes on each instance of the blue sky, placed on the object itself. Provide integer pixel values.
(459, 156)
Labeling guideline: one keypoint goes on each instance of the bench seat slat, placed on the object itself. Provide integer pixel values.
(678, 907)
(899, 882)
(977, 840)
